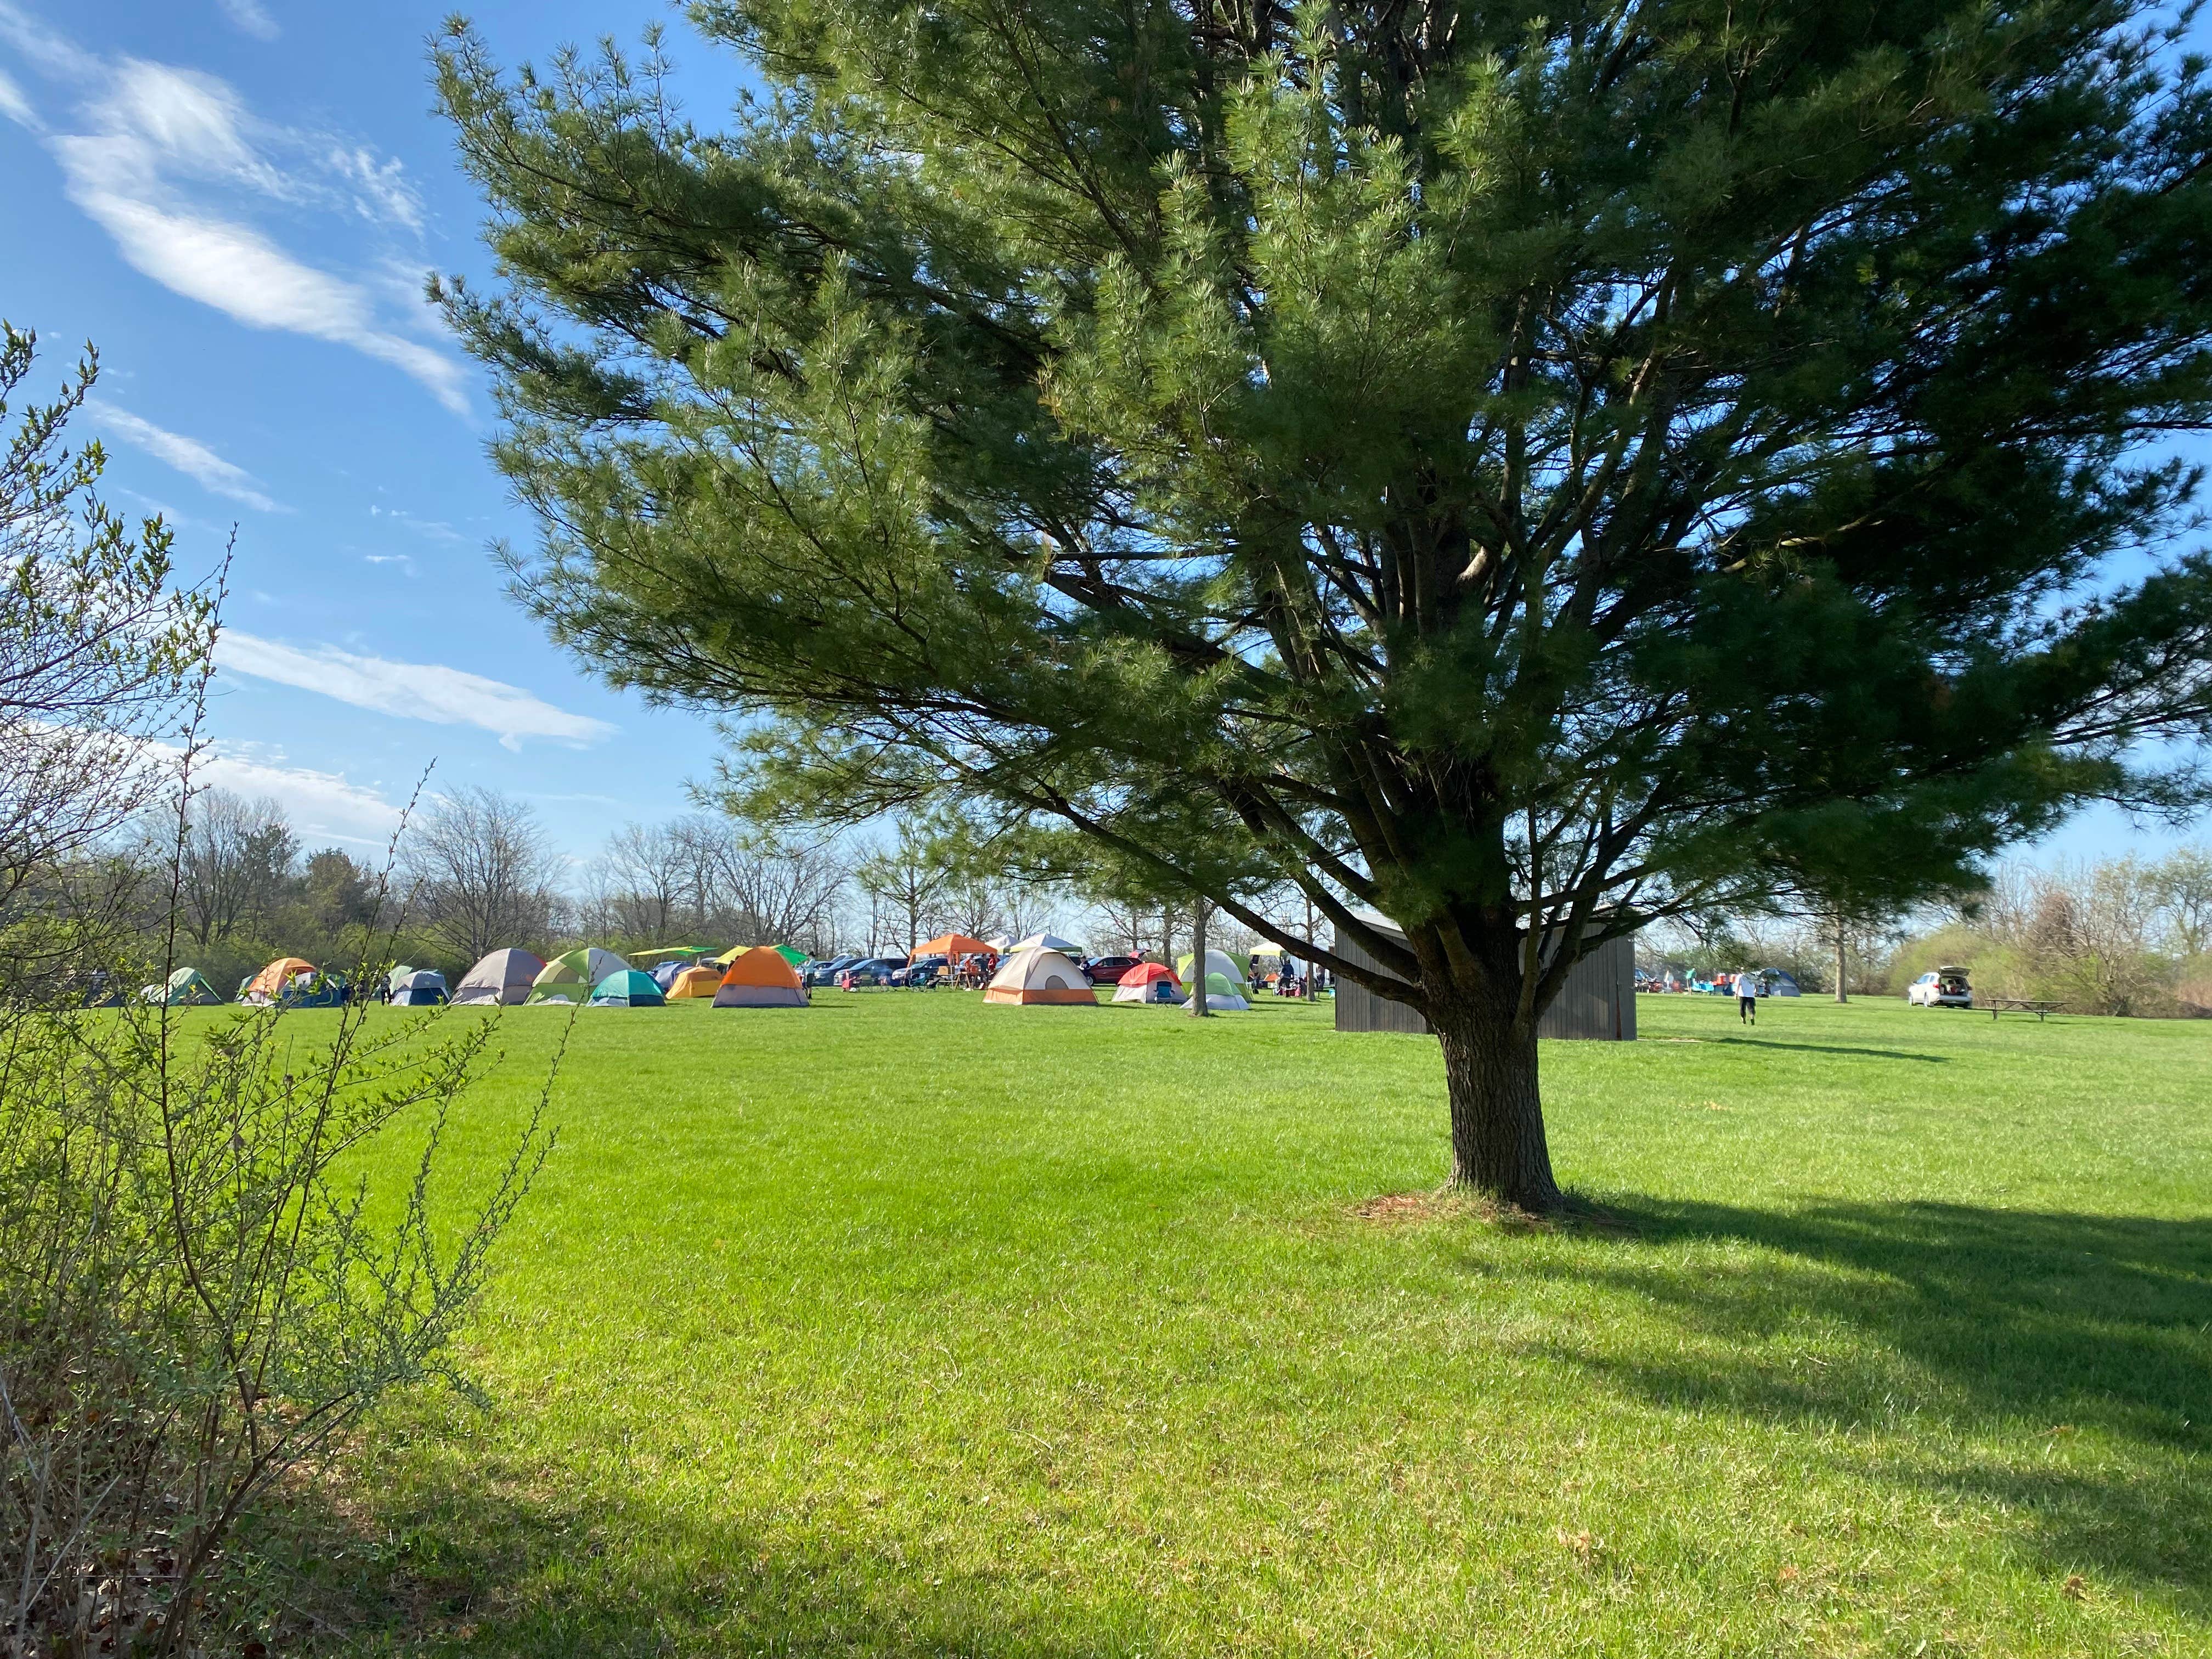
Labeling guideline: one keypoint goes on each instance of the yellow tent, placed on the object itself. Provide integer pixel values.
(694, 982)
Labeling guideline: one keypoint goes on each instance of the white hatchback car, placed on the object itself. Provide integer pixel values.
(1946, 987)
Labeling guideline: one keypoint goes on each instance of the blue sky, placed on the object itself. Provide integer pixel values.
(237, 200)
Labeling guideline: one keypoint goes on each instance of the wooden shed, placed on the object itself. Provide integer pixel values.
(1597, 1003)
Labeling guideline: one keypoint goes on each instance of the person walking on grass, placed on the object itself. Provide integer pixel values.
(1747, 998)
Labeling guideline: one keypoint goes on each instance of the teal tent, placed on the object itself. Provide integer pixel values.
(185, 988)
(628, 988)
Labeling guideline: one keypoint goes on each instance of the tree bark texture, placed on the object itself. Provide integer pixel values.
(1198, 1008)
(1843, 991)
(1498, 1144)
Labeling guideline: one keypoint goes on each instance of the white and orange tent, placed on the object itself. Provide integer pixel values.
(761, 978)
(1039, 976)
(272, 982)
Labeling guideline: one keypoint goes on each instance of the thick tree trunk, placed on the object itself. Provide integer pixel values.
(1499, 1148)
(1198, 1008)
(1843, 992)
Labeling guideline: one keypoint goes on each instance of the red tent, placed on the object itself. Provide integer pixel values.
(1148, 982)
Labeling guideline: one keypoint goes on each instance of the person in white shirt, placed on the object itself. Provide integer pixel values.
(1747, 998)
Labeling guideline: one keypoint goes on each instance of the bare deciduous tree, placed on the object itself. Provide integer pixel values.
(482, 874)
(236, 857)
(907, 878)
(98, 652)
(2181, 884)
(787, 890)
(643, 884)
(706, 878)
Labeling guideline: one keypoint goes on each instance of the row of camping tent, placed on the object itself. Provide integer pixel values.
(1039, 976)
(762, 976)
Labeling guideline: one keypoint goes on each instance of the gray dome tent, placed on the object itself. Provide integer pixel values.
(417, 987)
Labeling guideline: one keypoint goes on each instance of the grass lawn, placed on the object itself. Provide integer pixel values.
(903, 1325)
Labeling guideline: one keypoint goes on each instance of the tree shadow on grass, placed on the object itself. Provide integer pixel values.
(1827, 1049)
(476, 1564)
(2014, 1336)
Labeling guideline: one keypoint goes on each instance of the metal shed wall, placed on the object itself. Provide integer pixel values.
(1597, 1003)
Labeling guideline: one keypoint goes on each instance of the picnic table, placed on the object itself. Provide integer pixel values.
(2023, 1006)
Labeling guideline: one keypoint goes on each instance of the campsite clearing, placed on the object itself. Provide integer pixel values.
(903, 1324)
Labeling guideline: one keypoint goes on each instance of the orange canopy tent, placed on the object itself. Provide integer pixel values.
(761, 978)
(954, 945)
(694, 982)
(272, 981)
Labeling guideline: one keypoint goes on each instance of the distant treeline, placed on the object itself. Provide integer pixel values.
(2115, 936)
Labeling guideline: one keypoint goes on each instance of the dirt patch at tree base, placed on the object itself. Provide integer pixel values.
(1446, 1204)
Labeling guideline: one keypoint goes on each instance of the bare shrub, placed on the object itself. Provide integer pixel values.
(197, 1299)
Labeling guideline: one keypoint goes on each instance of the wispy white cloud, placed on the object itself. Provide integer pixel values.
(250, 17)
(323, 806)
(167, 160)
(52, 54)
(188, 455)
(422, 691)
(16, 106)
(436, 530)
(383, 191)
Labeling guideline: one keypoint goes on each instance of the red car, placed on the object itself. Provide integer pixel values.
(1107, 970)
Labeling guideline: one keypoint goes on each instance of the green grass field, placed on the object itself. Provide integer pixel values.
(903, 1324)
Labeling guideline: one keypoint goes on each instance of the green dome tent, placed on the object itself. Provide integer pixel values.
(1224, 995)
(184, 989)
(572, 975)
(628, 988)
(1219, 964)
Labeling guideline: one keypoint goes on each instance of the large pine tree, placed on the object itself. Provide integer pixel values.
(1520, 469)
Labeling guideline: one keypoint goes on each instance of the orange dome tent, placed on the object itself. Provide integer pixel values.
(953, 946)
(270, 984)
(1031, 977)
(761, 978)
(694, 982)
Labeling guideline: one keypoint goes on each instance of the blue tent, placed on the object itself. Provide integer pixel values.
(417, 987)
(322, 991)
(628, 988)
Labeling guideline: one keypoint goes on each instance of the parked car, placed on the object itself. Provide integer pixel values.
(874, 971)
(825, 973)
(1107, 970)
(922, 973)
(1944, 987)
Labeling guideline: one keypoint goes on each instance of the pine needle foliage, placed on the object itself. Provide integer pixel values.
(1522, 472)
